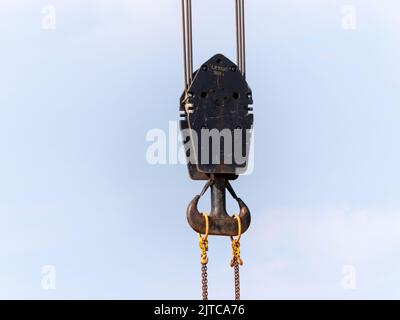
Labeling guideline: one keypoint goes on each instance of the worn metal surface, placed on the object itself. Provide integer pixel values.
(218, 98)
(204, 282)
(237, 281)
(220, 222)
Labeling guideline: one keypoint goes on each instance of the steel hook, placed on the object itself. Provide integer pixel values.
(220, 223)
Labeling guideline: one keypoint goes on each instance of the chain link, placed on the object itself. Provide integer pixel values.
(204, 282)
(237, 281)
(203, 244)
(235, 263)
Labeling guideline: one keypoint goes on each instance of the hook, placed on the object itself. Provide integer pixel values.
(220, 223)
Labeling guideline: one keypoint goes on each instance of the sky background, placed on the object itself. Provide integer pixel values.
(76, 190)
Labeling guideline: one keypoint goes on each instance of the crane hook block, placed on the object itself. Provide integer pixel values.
(217, 121)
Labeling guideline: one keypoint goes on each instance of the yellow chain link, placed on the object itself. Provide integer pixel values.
(203, 243)
(236, 244)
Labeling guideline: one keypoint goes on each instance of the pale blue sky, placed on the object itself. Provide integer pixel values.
(77, 192)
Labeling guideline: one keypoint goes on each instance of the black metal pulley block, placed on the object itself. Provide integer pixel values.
(215, 109)
(216, 127)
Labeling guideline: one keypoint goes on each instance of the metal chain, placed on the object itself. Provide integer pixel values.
(204, 282)
(235, 263)
(237, 281)
(236, 260)
(203, 243)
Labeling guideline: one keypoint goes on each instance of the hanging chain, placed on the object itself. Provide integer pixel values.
(235, 263)
(236, 260)
(204, 282)
(237, 282)
(203, 244)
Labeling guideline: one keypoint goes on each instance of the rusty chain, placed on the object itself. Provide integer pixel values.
(237, 281)
(236, 260)
(204, 260)
(203, 244)
(204, 282)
